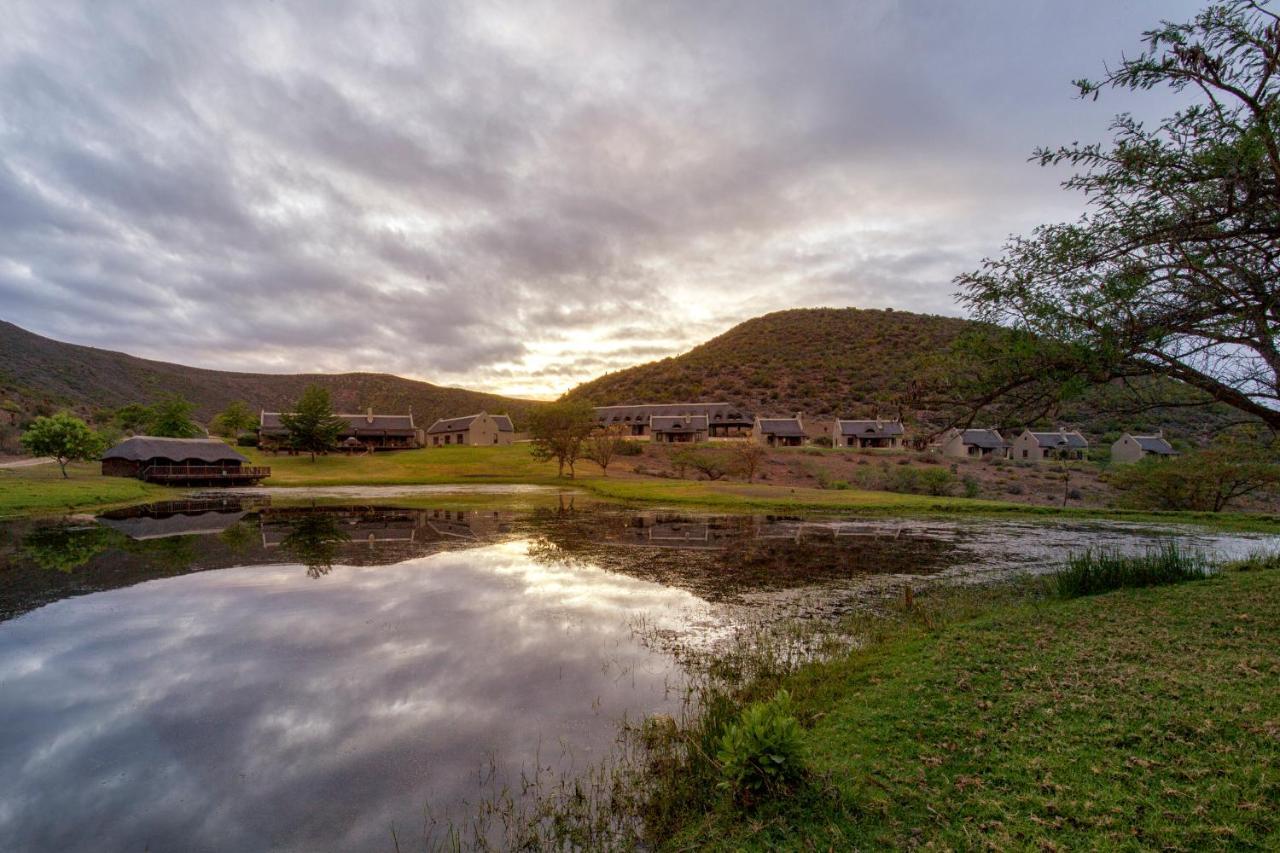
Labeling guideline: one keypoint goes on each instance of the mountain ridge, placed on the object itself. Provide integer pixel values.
(39, 373)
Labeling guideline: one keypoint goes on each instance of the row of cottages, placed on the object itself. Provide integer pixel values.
(1030, 445)
(719, 420)
(1135, 448)
(481, 429)
(181, 462)
(368, 430)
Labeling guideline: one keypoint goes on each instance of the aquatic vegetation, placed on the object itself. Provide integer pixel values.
(1093, 572)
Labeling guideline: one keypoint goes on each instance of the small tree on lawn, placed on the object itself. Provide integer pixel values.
(64, 437)
(603, 445)
(558, 431)
(235, 419)
(749, 456)
(312, 425)
(705, 462)
(171, 416)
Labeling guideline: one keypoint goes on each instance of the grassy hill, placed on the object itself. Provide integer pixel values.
(38, 375)
(839, 361)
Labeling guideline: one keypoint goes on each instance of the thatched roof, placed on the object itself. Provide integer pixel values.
(677, 423)
(871, 428)
(1069, 440)
(781, 426)
(141, 448)
(1154, 444)
(713, 412)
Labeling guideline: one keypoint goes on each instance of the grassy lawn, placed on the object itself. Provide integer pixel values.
(41, 489)
(1141, 719)
(510, 464)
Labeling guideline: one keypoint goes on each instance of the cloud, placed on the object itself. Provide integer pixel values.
(516, 196)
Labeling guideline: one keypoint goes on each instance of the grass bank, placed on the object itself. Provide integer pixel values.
(1142, 718)
(41, 489)
(37, 489)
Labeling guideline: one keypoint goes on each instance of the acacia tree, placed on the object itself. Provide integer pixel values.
(558, 431)
(1208, 480)
(64, 437)
(749, 456)
(1173, 270)
(312, 425)
(235, 419)
(602, 445)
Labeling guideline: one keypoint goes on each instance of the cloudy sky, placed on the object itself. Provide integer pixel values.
(519, 196)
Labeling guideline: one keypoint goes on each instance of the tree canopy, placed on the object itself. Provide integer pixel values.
(172, 416)
(312, 425)
(235, 419)
(558, 431)
(1173, 269)
(64, 437)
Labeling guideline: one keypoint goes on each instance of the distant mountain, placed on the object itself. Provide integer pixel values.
(38, 375)
(846, 362)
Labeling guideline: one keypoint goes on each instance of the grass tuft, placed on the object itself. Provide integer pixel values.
(1094, 572)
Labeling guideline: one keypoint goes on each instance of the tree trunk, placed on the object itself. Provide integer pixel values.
(63, 466)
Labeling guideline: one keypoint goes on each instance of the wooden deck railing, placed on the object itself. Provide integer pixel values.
(205, 472)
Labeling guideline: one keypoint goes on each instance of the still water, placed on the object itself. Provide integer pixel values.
(229, 675)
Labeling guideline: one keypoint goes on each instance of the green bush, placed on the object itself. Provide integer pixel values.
(247, 440)
(630, 448)
(823, 441)
(1102, 571)
(762, 755)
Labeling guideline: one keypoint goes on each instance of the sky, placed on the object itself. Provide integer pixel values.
(517, 197)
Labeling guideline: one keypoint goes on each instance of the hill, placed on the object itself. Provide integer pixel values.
(847, 362)
(38, 375)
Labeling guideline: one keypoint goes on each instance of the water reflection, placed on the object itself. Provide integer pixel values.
(346, 666)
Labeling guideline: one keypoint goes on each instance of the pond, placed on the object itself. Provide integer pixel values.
(233, 674)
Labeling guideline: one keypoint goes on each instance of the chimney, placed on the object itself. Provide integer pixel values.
(368, 415)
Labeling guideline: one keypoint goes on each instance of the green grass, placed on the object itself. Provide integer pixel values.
(1141, 719)
(42, 489)
(1102, 571)
(25, 490)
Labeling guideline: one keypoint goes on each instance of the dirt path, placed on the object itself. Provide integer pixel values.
(25, 463)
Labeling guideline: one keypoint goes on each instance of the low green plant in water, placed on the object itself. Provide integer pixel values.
(762, 754)
(1093, 572)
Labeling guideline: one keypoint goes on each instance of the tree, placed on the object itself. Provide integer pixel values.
(312, 425)
(171, 416)
(749, 456)
(64, 437)
(133, 417)
(235, 419)
(1173, 270)
(604, 444)
(558, 431)
(1208, 480)
(708, 463)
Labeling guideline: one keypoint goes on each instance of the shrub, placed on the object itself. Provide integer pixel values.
(1208, 480)
(936, 481)
(247, 440)
(630, 448)
(1014, 488)
(1101, 571)
(971, 487)
(811, 451)
(823, 441)
(762, 754)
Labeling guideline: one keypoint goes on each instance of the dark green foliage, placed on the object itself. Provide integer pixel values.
(312, 425)
(247, 440)
(1102, 571)
(235, 419)
(762, 755)
(171, 416)
(631, 448)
